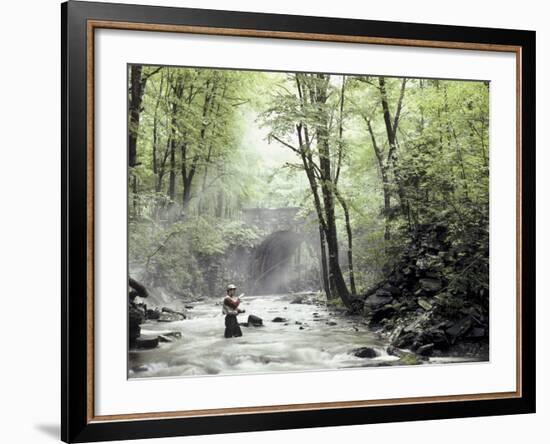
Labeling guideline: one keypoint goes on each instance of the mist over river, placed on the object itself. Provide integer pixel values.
(310, 336)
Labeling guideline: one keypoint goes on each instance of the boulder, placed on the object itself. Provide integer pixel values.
(404, 340)
(396, 279)
(255, 321)
(365, 352)
(422, 264)
(476, 333)
(153, 314)
(424, 304)
(425, 350)
(381, 313)
(416, 325)
(378, 299)
(409, 359)
(432, 274)
(169, 317)
(278, 319)
(405, 358)
(383, 292)
(436, 337)
(431, 285)
(393, 290)
(135, 317)
(147, 343)
(459, 329)
(138, 289)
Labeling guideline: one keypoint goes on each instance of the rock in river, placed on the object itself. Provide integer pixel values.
(365, 352)
(255, 321)
(145, 342)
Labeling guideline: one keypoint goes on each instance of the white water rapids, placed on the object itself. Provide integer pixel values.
(327, 340)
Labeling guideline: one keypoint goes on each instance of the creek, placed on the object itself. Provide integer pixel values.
(311, 336)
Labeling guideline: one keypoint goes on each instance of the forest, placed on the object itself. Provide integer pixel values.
(370, 191)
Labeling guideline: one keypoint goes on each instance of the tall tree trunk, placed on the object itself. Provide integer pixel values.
(161, 168)
(391, 131)
(336, 278)
(136, 96)
(155, 128)
(307, 160)
(323, 261)
(172, 177)
(340, 131)
(385, 180)
(217, 115)
(187, 180)
(342, 201)
(188, 175)
(177, 87)
(156, 175)
(350, 242)
(452, 135)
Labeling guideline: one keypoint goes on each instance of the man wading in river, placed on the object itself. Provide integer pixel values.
(230, 308)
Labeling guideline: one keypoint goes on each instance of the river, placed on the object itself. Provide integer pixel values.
(313, 337)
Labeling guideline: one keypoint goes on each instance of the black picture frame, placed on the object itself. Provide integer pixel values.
(77, 424)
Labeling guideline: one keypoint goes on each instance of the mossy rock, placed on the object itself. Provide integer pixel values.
(336, 302)
(409, 359)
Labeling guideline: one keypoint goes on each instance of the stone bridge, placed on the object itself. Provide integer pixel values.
(283, 260)
(270, 220)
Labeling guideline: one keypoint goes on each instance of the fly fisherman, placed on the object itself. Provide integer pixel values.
(230, 308)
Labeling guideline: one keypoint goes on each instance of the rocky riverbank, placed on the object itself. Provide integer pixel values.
(139, 313)
(435, 301)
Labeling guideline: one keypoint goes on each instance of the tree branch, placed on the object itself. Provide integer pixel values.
(296, 150)
(399, 106)
(145, 78)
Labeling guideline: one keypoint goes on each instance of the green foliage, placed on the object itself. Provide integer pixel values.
(179, 257)
(211, 142)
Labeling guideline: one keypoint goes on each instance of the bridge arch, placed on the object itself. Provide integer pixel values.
(283, 260)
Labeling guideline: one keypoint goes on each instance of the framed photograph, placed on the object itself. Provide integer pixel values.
(275, 221)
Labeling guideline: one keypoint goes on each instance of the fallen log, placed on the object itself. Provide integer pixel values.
(169, 310)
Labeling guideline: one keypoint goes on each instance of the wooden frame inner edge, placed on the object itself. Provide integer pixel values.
(94, 24)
